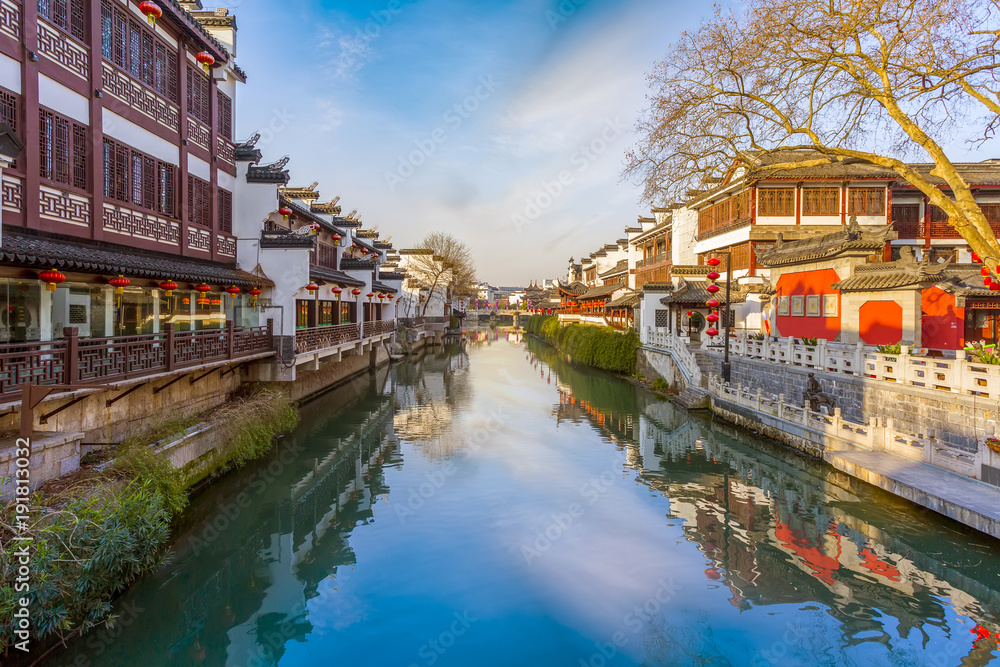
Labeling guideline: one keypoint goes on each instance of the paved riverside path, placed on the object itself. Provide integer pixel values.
(969, 501)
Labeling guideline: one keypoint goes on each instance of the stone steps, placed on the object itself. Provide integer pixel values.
(693, 398)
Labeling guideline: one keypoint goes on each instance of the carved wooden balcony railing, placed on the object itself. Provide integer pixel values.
(319, 338)
(75, 360)
(379, 328)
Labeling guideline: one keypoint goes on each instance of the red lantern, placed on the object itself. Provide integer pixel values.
(381, 297)
(712, 303)
(254, 292)
(232, 290)
(994, 287)
(120, 283)
(690, 313)
(51, 278)
(984, 271)
(203, 288)
(151, 10)
(206, 59)
(714, 275)
(975, 258)
(168, 286)
(337, 238)
(364, 250)
(714, 261)
(315, 228)
(712, 332)
(338, 291)
(712, 289)
(312, 287)
(987, 280)
(285, 212)
(357, 292)
(713, 318)
(370, 295)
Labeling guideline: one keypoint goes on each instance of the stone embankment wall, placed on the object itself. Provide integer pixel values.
(961, 422)
(659, 365)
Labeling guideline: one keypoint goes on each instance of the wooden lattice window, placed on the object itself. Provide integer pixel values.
(132, 46)
(135, 178)
(906, 213)
(225, 211)
(776, 202)
(821, 201)
(199, 201)
(198, 89)
(225, 111)
(867, 201)
(67, 15)
(62, 150)
(937, 214)
(8, 113)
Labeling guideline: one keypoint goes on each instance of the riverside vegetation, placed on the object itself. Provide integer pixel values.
(98, 531)
(600, 347)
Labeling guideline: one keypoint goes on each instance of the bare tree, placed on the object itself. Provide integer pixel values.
(873, 80)
(447, 264)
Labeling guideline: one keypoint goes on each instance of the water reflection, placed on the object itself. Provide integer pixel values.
(426, 515)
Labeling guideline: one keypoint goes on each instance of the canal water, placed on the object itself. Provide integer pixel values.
(496, 505)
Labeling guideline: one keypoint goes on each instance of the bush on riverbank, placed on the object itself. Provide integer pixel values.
(104, 528)
(600, 347)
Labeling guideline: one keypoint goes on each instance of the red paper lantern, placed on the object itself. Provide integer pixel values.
(364, 250)
(987, 280)
(168, 286)
(120, 283)
(254, 292)
(285, 212)
(714, 275)
(357, 292)
(338, 291)
(206, 59)
(382, 297)
(713, 318)
(232, 290)
(714, 261)
(712, 289)
(690, 313)
(370, 295)
(51, 278)
(151, 10)
(312, 287)
(975, 258)
(202, 288)
(337, 238)
(994, 287)
(984, 271)
(713, 303)
(713, 332)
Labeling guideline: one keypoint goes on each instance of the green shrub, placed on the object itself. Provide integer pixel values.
(600, 347)
(659, 384)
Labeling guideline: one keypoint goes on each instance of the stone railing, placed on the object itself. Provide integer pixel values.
(832, 431)
(677, 345)
(958, 375)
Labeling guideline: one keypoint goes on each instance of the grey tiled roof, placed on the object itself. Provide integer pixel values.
(850, 238)
(333, 276)
(696, 293)
(29, 250)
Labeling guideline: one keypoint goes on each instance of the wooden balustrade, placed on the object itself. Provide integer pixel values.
(74, 360)
(318, 338)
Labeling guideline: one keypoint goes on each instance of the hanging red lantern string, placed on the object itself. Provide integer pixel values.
(168, 287)
(206, 59)
(51, 278)
(151, 10)
(232, 291)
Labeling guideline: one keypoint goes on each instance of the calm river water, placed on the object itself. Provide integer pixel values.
(496, 505)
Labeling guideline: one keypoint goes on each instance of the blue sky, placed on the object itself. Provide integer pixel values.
(459, 116)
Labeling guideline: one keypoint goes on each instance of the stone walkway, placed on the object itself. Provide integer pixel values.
(974, 503)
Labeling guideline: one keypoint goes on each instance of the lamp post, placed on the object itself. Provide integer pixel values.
(727, 370)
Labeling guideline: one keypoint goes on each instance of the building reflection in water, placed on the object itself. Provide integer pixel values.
(777, 529)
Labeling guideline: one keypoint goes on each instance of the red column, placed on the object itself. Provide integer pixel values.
(30, 157)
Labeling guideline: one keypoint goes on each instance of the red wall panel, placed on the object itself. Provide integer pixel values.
(881, 322)
(806, 283)
(942, 323)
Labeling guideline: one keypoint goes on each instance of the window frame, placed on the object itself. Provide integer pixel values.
(769, 203)
(157, 188)
(199, 202)
(157, 68)
(856, 194)
(816, 202)
(63, 151)
(71, 21)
